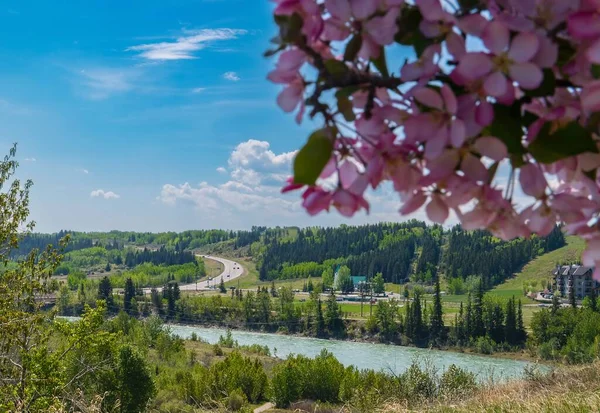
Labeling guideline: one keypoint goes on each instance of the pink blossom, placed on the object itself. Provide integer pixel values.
(532, 180)
(348, 203)
(413, 202)
(424, 68)
(316, 199)
(437, 210)
(511, 58)
(291, 96)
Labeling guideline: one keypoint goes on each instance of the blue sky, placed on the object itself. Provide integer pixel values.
(150, 115)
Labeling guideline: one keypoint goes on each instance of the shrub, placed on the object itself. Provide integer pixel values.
(457, 382)
(217, 350)
(418, 383)
(485, 345)
(236, 400)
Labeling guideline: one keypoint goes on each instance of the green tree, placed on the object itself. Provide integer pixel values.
(222, 287)
(437, 330)
(107, 268)
(378, 284)
(105, 290)
(344, 282)
(128, 295)
(386, 314)
(135, 387)
(327, 277)
(572, 299)
(333, 315)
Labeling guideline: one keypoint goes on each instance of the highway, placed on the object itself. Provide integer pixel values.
(231, 271)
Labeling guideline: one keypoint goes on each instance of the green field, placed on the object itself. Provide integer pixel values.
(540, 269)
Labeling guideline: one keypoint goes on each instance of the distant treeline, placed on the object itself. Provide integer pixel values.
(410, 250)
(158, 257)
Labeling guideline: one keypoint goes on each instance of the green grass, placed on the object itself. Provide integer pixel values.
(540, 269)
(213, 268)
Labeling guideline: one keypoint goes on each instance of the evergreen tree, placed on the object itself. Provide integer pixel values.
(105, 291)
(437, 330)
(327, 277)
(310, 287)
(222, 288)
(320, 322)
(107, 268)
(416, 328)
(593, 300)
(344, 282)
(555, 303)
(572, 299)
(273, 290)
(510, 323)
(333, 315)
(477, 327)
(128, 295)
(156, 300)
(521, 334)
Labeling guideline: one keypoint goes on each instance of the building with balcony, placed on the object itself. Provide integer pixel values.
(575, 277)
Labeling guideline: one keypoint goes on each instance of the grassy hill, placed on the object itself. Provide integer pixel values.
(539, 269)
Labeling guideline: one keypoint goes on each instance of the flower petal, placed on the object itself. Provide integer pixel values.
(340, 9)
(496, 37)
(415, 202)
(429, 97)
(449, 99)
(523, 47)
(532, 180)
(458, 133)
(495, 84)
(593, 52)
(474, 66)
(437, 210)
(474, 168)
(491, 147)
(484, 113)
(528, 75)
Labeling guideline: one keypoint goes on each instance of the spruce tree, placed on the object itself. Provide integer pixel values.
(521, 334)
(437, 330)
(273, 290)
(333, 316)
(105, 292)
(320, 325)
(572, 299)
(478, 329)
(222, 286)
(510, 323)
(128, 295)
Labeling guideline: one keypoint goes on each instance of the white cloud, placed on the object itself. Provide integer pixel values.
(198, 90)
(85, 171)
(101, 83)
(185, 46)
(231, 76)
(30, 160)
(100, 193)
(221, 170)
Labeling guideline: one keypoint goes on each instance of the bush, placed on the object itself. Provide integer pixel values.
(217, 350)
(485, 345)
(238, 372)
(457, 382)
(236, 400)
(418, 383)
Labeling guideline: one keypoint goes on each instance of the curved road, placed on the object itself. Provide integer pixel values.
(231, 271)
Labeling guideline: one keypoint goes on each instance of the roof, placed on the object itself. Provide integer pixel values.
(358, 278)
(572, 270)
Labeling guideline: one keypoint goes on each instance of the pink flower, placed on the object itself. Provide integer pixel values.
(315, 200)
(511, 58)
(424, 68)
(382, 29)
(348, 203)
(491, 147)
(291, 96)
(584, 25)
(437, 210)
(438, 127)
(532, 180)
(291, 185)
(413, 202)
(590, 97)
(288, 65)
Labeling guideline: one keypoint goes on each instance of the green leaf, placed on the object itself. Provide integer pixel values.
(546, 88)
(381, 63)
(352, 48)
(290, 27)
(313, 157)
(595, 71)
(507, 127)
(347, 91)
(336, 67)
(570, 140)
(345, 107)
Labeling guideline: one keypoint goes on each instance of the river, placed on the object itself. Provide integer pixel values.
(388, 358)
